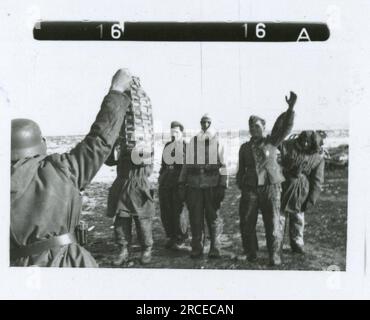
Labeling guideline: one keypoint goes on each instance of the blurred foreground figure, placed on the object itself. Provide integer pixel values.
(259, 178)
(172, 214)
(131, 197)
(303, 167)
(202, 184)
(45, 190)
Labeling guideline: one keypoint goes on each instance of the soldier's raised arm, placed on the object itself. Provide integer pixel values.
(83, 161)
(284, 123)
(112, 159)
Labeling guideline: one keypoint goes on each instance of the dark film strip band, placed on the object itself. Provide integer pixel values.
(180, 31)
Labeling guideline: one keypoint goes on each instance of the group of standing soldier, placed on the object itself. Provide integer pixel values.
(46, 202)
(279, 190)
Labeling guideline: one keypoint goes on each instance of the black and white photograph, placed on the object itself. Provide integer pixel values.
(202, 135)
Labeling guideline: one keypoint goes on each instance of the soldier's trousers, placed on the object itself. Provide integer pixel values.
(267, 199)
(203, 205)
(296, 230)
(123, 231)
(172, 214)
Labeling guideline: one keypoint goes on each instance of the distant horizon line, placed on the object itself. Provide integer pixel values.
(192, 131)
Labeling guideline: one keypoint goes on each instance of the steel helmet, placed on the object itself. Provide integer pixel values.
(27, 140)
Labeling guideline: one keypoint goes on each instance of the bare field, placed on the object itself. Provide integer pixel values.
(326, 229)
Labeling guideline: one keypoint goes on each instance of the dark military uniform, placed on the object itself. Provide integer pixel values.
(45, 193)
(130, 198)
(204, 174)
(172, 214)
(304, 173)
(259, 177)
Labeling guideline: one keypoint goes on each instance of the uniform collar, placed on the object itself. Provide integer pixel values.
(209, 134)
(257, 141)
(22, 173)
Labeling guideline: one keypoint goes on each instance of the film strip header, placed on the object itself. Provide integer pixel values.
(180, 31)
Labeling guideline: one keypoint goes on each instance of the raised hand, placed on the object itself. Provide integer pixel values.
(291, 100)
(121, 80)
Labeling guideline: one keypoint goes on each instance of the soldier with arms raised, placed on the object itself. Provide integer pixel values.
(45, 189)
(259, 178)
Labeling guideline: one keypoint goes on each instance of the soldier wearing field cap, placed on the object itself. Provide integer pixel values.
(172, 207)
(45, 189)
(203, 181)
(259, 177)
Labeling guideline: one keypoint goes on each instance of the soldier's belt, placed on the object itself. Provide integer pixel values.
(43, 245)
(204, 170)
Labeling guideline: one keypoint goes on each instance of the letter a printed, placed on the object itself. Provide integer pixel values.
(303, 36)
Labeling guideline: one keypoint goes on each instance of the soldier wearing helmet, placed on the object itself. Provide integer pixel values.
(26, 139)
(45, 189)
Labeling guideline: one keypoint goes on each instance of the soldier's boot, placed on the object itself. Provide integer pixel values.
(252, 257)
(297, 249)
(146, 256)
(170, 244)
(196, 251)
(296, 231)
(196, 245)
(214, 251)
(251, 247)
(145, 227)
(122, 256)
(275, 250)
(275, 259)
(250, 252)
(181, 246)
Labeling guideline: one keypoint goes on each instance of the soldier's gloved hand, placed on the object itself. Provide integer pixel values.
(121, 80)
(182, 192)
(291, 100)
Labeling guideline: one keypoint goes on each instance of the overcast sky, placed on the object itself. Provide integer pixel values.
(61, 84)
